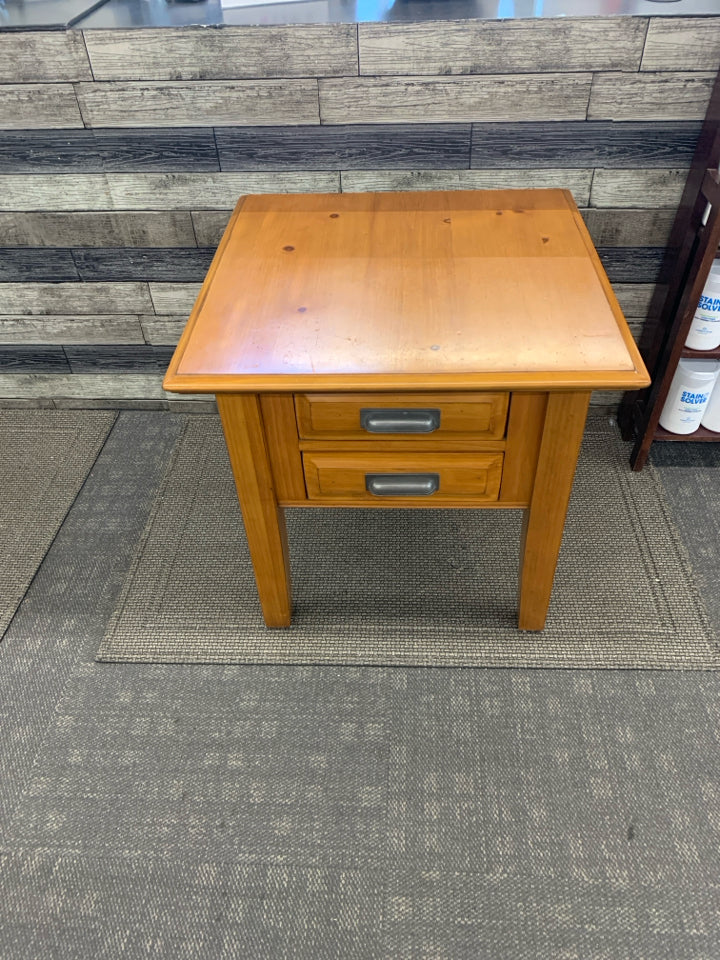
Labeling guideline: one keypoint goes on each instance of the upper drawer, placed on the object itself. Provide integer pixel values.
(367, 416)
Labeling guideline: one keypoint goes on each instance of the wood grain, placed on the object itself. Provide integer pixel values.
(105, 358)
(651, 96)
(509, 46)
(38, 106)
(632, 264)
(545, 519)
(581, 143)
(682, 43)
(173, 298)
(163, 330)
(209, 226)
(35, 265)
(50, 56)
(188, 53)
(634, 298)
(86, 386)
(103, 151)
(446, 99)
(145, 229)
(357, 147)
(143, 263)
(577, 181)
(629, 228)
(106, 329)
(637, 188)
(198, 104)
(264, 520)
(278, 414)
(75, 299)
(151, 191)
(34, 358)
(524, 433)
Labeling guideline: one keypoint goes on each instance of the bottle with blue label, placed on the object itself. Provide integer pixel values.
(689, 395)
(705, 329)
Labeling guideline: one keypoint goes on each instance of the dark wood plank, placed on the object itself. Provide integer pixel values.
(18, 264)
(116, 357)
(600, 143)
(32, 358)
(625, 228)
(143, 263)
(99, 151)
(632, 264)
(360, 147)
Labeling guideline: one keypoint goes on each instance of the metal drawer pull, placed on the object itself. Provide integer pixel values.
(402, 484)
(394, 420)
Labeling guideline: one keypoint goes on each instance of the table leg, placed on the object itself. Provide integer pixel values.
(545, 518)
(264, 519)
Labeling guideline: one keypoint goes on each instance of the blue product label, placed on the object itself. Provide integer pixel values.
(712, 304)
(693, 398)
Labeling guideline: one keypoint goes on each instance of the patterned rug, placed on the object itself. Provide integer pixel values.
(425, 588)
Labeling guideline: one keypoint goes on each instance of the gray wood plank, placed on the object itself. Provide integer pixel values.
(577, 181)
(629, 228)
(634, 298)
(151, 191)
(210, 225)
(75, 299)
(36, 264)
(143, 229)
(354, 147)
(143, 263)
(531, 97)
(174, 298)
(34, 106)
(36, 56)
(86, 386)
(92, 403)
(632, 264)
(103, 151)
(650, 96)
(637, 188)
(581, 143)
(682, 43)
(199, 104)
(187, 53)
(32, 358)
(163, 330)
(72, 329)
(506, 46)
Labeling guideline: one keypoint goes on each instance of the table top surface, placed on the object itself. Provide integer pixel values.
(437, 290)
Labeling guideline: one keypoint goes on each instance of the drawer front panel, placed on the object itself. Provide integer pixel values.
(425, 477)
(368, 416)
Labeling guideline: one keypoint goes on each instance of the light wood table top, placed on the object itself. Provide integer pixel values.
(451, 290)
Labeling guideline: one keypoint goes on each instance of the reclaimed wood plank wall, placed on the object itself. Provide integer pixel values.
(123, 151)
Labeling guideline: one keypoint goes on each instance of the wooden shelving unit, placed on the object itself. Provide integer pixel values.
(694, 244)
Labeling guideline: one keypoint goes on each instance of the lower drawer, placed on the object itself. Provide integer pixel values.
(386, 476)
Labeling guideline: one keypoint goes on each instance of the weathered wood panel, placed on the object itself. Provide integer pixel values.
(163, 330)
(152, 191)
(650, 96)
(302, 50)
(509, 46)
(143, 263)
(116, 357)
(174, 298)
(460, 99)
(577, 181)
(73, 329)
(637, 188)
(634, 298)
(358, 147)
(34, 265)
(682, 43)
(198, 104)
(32, 358)
(629, 228)
(92, 386)
(210, 225)
(143, 229)
(632, 264)
(102, 151)
(75, 299)
(600, 143)
(43, 56)
(38, 106)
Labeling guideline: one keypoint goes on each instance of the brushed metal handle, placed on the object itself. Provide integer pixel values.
(399, 420)
(402, 484)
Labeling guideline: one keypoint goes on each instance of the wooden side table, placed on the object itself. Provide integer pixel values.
(405, 350)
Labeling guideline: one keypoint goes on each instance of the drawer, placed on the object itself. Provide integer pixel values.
(424, 477)
(365, 416)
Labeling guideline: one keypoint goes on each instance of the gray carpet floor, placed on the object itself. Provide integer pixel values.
(175, 811)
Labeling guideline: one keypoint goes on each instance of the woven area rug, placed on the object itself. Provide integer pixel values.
(400, 587)
(45, 456)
